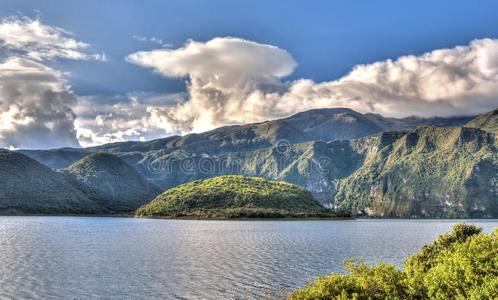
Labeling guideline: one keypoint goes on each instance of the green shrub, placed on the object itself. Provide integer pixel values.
(461, 264)
(378, 282)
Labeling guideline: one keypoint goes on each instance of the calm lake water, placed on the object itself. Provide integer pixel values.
(116, 258)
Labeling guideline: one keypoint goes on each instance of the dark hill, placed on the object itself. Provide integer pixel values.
(28, 187)
(111, 182)
(56, 158)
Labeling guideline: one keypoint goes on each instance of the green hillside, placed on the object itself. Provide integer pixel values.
(487, 122)
(316, 166)
(111, 182)
(234, 197)
(427, 172)
(28, 187)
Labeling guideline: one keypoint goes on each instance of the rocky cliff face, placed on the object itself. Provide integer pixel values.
(427, 172)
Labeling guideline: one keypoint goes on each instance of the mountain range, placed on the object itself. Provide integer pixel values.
(364, 163)
(313, 125)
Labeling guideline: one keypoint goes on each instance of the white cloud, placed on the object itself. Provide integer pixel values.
(35, 100)
(234, 81)
(223, 73)
(230, 81)
(32, 38)
(106, 119)
(153, 40)
(35, 106)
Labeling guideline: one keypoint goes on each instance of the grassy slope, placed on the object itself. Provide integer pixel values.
(487, 122)
(233, 197)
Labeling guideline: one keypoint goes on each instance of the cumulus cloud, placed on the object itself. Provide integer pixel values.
(223, 73)
(106, 119)
(231, 80)
(35, 106)
(35, 100)
(38, 41)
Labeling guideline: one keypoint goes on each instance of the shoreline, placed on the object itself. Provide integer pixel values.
(131, 216)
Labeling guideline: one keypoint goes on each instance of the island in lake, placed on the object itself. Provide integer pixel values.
(228, 197)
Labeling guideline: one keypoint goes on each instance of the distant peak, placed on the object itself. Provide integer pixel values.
(99, 159)
(335, 110)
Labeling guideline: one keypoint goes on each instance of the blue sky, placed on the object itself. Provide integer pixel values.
(326, 38)
(80, 73)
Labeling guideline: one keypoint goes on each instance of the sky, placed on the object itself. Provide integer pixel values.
(81, 73)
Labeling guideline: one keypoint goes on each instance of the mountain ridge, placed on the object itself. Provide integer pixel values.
(487, 122)
(326, 124)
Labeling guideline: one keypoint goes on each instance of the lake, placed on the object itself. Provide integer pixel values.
(116, 258)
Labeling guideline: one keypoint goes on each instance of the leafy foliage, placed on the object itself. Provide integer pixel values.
(462, 264)
(234, 197)
(382, 281)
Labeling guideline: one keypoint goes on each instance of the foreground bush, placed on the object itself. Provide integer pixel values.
(461, 264)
